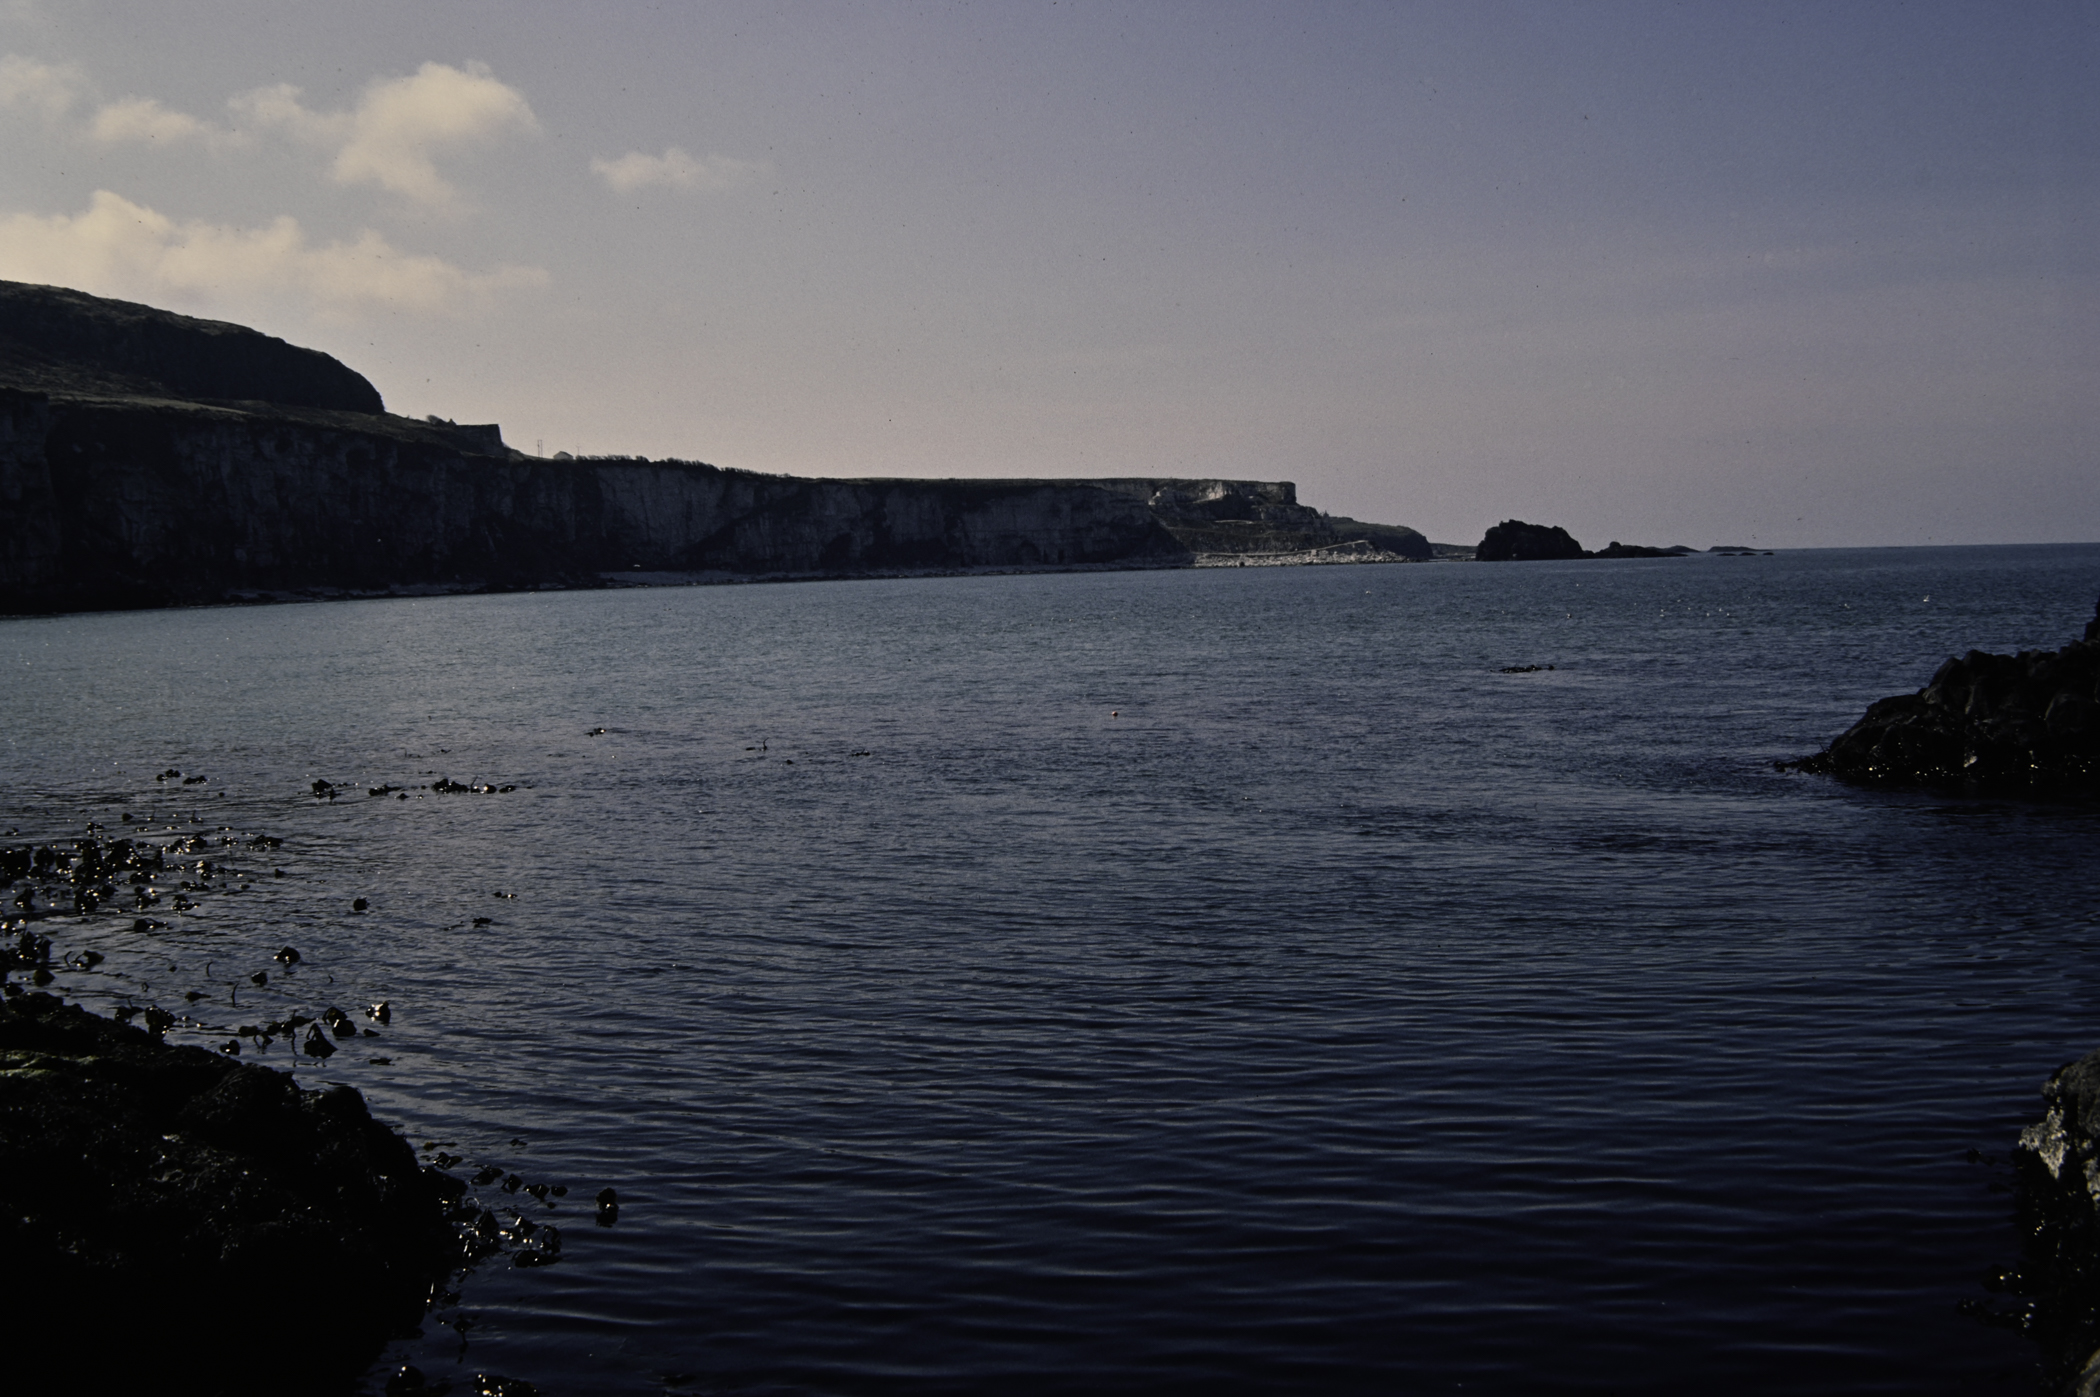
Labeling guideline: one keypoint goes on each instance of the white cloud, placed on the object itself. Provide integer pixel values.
(279, 108)
(674, 169)
(50, 88)
(55, 89)
(392, 138)
(116, 247)
(400, 125)
(144, 119)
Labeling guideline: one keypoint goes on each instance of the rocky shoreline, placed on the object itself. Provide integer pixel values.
(2025, 723)
(168, 1190)
(2052, 1292)
(186, 1192)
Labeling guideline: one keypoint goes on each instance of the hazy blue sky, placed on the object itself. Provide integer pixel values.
(1699, 273)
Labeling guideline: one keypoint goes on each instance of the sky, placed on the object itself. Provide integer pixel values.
(1779, 274)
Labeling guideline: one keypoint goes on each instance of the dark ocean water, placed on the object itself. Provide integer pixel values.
(1188, 981)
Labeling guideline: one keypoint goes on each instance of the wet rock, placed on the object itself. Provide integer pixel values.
(2052, 1293)
(542, 1245)
(495, 1385)
(1985, 723)
(406, 1381)
(172, 1178)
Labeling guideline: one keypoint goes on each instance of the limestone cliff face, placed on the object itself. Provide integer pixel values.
(135, 503)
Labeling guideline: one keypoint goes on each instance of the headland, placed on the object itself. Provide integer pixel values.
(151, 459)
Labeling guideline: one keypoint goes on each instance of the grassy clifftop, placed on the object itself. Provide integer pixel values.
(68, 343)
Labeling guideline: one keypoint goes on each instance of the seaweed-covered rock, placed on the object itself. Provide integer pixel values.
(156, 1194)
(2029, 721)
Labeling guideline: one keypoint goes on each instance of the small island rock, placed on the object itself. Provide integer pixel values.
(1514, 541)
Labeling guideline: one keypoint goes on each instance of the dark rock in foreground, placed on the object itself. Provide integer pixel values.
(175, 1223)
(2052, 1294)
(2025, 722)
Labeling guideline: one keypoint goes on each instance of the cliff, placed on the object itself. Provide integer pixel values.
(137, 503)
(149, 459)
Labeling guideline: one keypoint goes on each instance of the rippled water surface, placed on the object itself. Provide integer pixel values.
(1221, 981)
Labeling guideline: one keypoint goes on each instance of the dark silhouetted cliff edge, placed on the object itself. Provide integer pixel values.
(151, 459)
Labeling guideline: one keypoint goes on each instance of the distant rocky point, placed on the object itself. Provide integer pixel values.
(1987, 723)
(152, 459)
(1514, 541)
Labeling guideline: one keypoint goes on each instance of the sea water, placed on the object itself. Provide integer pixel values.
(1227, 980)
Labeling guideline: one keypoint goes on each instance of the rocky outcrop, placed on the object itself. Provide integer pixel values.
(58, 341)
(2025, 722)
(154, 1193)
(1515, 541)
(2052, 1292)
(1616, 549)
